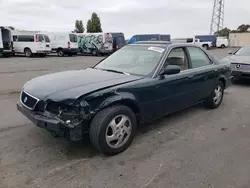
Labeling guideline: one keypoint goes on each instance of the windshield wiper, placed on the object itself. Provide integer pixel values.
(111, 70)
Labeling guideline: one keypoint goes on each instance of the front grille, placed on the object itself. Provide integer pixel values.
(28, 100)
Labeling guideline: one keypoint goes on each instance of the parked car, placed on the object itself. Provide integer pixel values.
(95, 43)
(240, 63)
(63, 43)
(118, 41)
(6, 42)
(32, 44)
(138, 83)
(149, 37)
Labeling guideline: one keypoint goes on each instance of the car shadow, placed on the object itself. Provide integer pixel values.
(242, 82)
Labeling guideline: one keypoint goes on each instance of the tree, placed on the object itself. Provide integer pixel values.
(243, 28)
(94, 24)
(79, 26)
(11, 28)
(223, 33)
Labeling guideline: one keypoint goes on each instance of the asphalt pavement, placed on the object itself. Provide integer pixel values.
(194, 148)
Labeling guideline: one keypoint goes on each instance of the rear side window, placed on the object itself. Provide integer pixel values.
(25, 38)
(46, 38)
(198, 57)
(73, 38)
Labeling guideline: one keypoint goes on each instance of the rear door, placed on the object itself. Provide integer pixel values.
(205, 72)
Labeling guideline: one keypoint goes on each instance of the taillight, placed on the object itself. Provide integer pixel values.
(68, 44)
(36, 38)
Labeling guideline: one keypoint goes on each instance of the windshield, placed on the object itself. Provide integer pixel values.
(46, 38)
(137, 60)
(244, 51)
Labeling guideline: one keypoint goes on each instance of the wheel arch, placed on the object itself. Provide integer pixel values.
(223, 80)
(128, 101)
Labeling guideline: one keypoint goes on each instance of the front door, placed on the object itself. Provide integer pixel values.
(175, 92)
(41, 43)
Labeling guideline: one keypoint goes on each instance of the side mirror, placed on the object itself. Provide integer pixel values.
(171, 69)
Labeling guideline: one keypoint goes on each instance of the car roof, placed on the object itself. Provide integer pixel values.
(163, 44)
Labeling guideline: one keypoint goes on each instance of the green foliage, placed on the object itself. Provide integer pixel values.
(11, 28)
(94, 24)
(241, 29)
(79, 26)
(223, 33)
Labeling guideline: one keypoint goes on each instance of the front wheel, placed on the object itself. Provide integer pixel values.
(112, 129)
(215, 99)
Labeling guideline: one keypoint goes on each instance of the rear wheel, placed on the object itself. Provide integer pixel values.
(215, 99)
(94, 52)
(205, 46)
(223, 46)
(28, 52)
(112, 129)
(60, 52)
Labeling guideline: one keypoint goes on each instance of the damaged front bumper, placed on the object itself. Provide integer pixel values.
(58, 127)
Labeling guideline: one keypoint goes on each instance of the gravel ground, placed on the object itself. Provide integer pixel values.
(194, 148)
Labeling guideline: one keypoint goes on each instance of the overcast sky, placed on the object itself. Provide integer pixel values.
(180, 18)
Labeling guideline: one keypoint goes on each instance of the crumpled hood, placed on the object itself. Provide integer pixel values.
(73, 84)
(237, 59)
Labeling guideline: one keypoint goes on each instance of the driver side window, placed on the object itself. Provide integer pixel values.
(178, 57)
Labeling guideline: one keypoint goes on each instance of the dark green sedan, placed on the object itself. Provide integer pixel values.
(138, 83)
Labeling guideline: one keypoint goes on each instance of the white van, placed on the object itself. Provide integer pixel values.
(6, 42)
(95, 43)
(222, 42)
(63, 43)
(30, 44)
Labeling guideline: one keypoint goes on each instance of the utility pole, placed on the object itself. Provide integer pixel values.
(217, 21)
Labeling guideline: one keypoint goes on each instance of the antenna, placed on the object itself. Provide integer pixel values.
(217, 21)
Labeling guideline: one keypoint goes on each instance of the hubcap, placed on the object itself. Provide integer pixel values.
(217, 94)
(118, 131)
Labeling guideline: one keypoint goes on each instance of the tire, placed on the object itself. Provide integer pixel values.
(28, 52)
(94, 52)
(211, 101)
(60, 52)
(205, 46)
(222, 46)
(100, 129)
